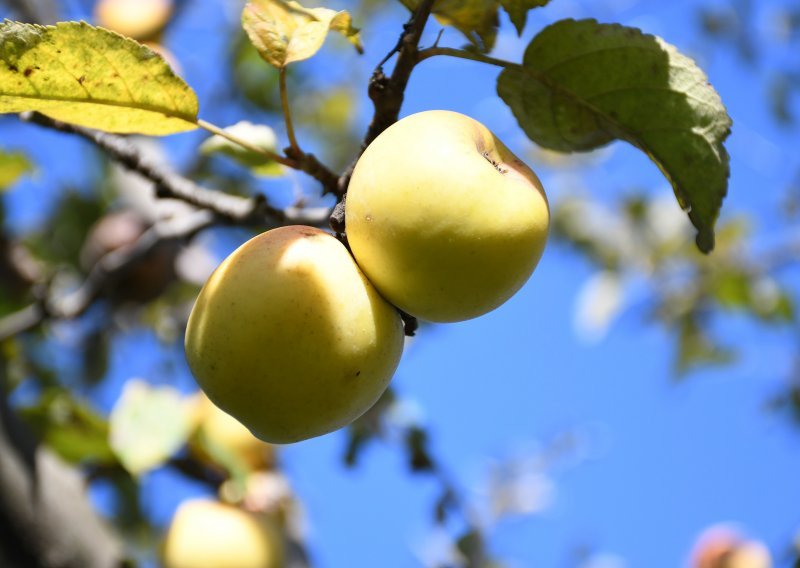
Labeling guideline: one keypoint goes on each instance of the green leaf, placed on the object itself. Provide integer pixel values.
(70, 428)
(148, 425)
(92, 77)
(583, 84)
(13, 165)
(518, 11)
(259, 135)
(285, 32)
(697, 348)
(476, 19)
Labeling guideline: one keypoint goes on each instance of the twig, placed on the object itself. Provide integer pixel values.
(387, 93)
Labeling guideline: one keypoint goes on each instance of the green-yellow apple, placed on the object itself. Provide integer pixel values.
(222, 431)
(443, 219)
(290, 338)
(210, 534)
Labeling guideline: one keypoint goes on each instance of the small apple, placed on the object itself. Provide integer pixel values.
(290, 338)
(222, 431)
(210, 534)
(443, 219)
(138, 19)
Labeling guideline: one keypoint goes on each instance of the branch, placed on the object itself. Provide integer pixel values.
(111, 265)
(46, 520)
(387, 93)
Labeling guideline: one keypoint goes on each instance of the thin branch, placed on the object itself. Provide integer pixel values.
(111, 265)
(387, 93)
(287, 115)
(424, 54)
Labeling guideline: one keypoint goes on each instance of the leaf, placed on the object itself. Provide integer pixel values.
(476, 19)
(583, 84)
(70, 428)
(13, 165)
(518, 11)
(91, 77)
(147, 425)
(697, 348)
(258, 135)
(285, 32)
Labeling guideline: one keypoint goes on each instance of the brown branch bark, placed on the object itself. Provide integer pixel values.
(387, 93)
(46, 520)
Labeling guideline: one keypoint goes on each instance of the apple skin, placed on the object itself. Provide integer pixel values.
(443, 219)
(209, 534)
(290, 338)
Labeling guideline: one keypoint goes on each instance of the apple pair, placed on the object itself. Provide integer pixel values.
(296, 339)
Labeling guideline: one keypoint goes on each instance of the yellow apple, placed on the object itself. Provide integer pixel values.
(443, 219)
(139, 19)
(223, 431)
(290, 337)
(209, 534)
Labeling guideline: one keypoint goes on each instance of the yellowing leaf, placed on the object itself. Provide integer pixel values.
(13, 165)
(92, 77)
(285, 32)
(476, 19)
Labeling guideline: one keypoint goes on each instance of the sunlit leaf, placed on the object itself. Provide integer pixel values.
(259, 135)
(518, 11)
(285, 32)
(92, 77)
(70, 428)
(583, 84)
(148, 425)
(13, 165)
(476, 19)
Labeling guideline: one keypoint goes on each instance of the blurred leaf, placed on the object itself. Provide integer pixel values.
(148, 425)
(91, 77)
(256, 82)
(518, 11)
(61, 239)
(444, 504)
(13, 165)
(70, 428)
(284, 32)
(476, 19)
(696, 348)
(583, 84)
(259, 135)
(732, 289)
(95, 354)
(367, 428)
(419, 457)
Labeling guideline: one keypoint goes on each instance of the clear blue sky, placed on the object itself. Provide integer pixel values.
(658, 460)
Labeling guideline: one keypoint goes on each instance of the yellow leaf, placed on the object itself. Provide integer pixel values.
(285, 32)
(91, 77)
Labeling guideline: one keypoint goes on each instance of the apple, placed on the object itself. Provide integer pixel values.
(443, 219)
(290, 338)
(222, 431)
(138, 19)
(209, 534)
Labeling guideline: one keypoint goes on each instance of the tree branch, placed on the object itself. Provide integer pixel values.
(387, 93)
(107, 268)
(45, 516)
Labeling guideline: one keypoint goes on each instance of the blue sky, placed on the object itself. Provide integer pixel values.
(657, 460)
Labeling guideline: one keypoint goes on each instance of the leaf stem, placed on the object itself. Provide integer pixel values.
(287, 116)
(424, 54)
(247, 145)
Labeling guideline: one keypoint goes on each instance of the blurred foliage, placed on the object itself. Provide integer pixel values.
(13, 165)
